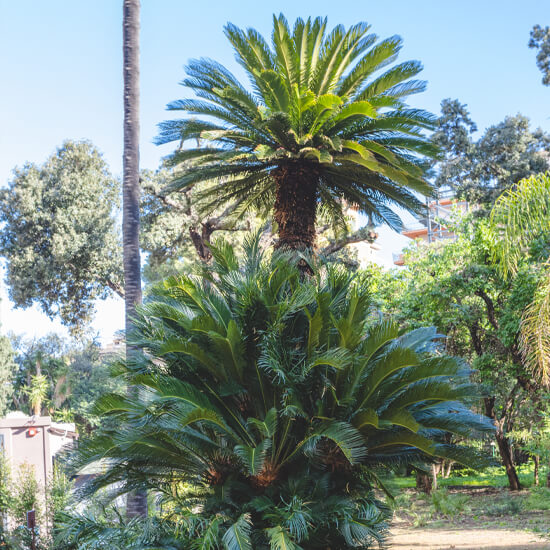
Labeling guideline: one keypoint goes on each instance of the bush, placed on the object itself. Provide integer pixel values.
(448, 505)
(276, 398)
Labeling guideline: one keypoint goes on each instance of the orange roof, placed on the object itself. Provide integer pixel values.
(414, 233)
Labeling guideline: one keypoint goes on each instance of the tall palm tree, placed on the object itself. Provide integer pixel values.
(268, 405)
(519, 216)
(137, 503)
(322, 126)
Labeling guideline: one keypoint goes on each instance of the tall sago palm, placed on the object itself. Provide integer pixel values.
(269, 404)
(323, 124)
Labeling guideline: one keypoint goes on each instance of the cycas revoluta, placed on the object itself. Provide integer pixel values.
(267, 405)
(321, 125)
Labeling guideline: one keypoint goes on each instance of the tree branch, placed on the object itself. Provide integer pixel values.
(490, 307)
(115, 287)
(363, 234)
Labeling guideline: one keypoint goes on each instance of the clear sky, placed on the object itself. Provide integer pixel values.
(61, 60)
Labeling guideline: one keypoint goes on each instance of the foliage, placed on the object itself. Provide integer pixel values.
(540, 40)
(25, 495)
(58, 495)
(37, 392)
(7, 371)
(168, 220)
(481, 170)
(321, 124)
(59, 234)
(455, 286)
(448, 505)
(264, 403)
(453, 137)
(73, 376)
(519, 217)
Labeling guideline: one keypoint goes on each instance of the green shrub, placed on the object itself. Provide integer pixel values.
(276, 397)
(538, 499)
(448, 505)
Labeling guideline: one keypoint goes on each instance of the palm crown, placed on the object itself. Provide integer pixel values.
(322, 124)
(275, 401)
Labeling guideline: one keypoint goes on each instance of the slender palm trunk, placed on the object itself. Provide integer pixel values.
(295, 206)
(137, 502)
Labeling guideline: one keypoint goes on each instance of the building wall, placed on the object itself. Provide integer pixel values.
(21, 447)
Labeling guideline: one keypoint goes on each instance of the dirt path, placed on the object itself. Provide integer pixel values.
(465, 539)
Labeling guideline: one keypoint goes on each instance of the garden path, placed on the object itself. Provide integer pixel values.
(465, 539)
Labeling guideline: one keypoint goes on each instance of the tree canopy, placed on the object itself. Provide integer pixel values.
(480, 170)
(60, 236)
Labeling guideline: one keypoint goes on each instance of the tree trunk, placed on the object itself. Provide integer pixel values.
(295, 206)
(503, 445)
(201, 241)
(137, 502)
(536, 462)
(548, 476)
(424, 482)
(447, 469)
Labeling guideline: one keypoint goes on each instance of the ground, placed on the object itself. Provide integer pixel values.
(465, 539)
(472, 518)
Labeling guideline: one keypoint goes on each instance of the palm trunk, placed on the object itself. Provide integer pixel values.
(295, 206)
(137, 502)
(536, 462)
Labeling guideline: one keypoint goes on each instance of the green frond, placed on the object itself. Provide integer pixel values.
(519, 215)
(535, 333)
(237, 537)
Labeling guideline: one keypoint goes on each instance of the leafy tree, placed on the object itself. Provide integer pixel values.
(453, 136)
(8, 368)
(481, 170)
(174, 233)
(269, 403)
(73, 376)
(540, 40)
(59, 234)
(456, 287)
(321, 125)
(519, 218)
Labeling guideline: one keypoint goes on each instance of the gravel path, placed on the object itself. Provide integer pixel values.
(465, 539)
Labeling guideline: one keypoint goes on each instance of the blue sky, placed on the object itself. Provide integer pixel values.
(61, 60)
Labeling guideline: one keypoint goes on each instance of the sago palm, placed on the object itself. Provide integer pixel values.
(323, 123)
(519, 216)
(265, 406)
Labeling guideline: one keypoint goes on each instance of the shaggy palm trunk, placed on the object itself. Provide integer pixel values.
(295, 206)
(137, 502)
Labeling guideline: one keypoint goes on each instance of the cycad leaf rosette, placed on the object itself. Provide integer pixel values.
(266, 406)
(324, 124)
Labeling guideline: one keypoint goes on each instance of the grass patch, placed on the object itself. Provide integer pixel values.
(494, 476)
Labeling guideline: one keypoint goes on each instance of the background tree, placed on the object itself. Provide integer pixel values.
(322, 124)
(8, 368)
(59, 234)
(480, 170)
(456, 287)
(540, 40)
